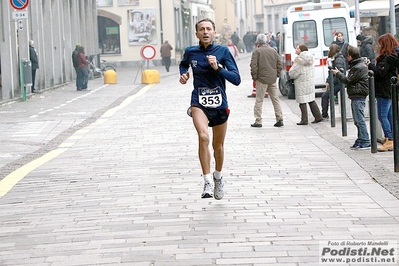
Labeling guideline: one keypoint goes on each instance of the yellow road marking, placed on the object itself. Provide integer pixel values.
(8, 182)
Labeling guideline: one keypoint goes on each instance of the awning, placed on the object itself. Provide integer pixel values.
(374, 8)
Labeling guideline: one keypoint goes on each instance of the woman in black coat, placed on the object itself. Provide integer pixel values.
(383, 71)
(337, 61)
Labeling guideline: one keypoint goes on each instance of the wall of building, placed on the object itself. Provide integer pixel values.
(174, 20)
(131, 51)
(225, 18)
(55, 27)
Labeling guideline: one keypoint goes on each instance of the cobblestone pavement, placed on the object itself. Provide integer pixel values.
(111, 177)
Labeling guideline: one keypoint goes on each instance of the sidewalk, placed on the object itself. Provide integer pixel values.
(111, 177)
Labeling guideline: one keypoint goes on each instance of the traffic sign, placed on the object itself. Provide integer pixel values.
(20, 14)
(19, 4)
(148, 52)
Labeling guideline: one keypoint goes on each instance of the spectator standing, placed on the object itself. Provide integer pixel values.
(337, 61)
(340, 41)
(211, 65)
(365, 44)
(302, 72)
(247, 39)
(166, 49)
(75, 61)
(34, 63)
(83, 71)
(383, 70)
(357, 84)
(233, 49)
(271, 42)
(235, 39)
(266, 67)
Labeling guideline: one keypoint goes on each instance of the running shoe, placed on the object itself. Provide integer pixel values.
(355, 145)
(208, 191)
(218, 191)
(364, 146)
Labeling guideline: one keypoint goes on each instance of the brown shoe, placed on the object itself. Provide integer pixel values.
(317, 121)
(388, 146)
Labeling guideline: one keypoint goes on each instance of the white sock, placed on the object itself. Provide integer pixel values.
(207, 178)
(217, 174)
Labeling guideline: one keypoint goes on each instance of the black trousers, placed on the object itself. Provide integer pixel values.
(33, 78)
(325, 99)
(166, 62)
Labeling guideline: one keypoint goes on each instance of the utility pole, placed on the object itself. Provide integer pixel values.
(357, 17)
(392, 17)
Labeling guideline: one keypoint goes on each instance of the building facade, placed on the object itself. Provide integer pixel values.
(55, 27)
(126, 26)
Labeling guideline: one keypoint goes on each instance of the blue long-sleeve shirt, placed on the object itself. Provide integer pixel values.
(208, 81)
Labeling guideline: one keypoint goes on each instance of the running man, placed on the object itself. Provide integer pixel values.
(211, 66)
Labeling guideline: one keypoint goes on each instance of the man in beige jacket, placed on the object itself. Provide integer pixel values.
(265, 69)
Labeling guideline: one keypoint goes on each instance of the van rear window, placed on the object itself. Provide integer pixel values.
(305, 32)
(333, 25)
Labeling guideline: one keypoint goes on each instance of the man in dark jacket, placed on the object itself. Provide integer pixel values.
(235, 39)
(366, 47)
(357, 84)
(34, 61)
(247, 39)
(75, 62)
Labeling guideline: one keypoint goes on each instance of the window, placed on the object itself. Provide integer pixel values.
(331, 26)
(108, 36)
(259, 27)
(305, 32)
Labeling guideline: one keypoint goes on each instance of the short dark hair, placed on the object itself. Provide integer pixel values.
(205, 20)
(353, 52)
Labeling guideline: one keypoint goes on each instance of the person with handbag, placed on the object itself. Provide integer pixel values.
(302, 72)
(337, 61)
(384, 69)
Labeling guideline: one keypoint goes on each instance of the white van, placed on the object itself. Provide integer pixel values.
(313, 24)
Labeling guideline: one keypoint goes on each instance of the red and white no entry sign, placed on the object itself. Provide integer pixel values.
(19, 4)
(148, 52)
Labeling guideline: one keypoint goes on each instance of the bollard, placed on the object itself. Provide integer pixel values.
(373, 113)
(110, 77)
(150, 76)
(331, 91)
(394, 87)
(343, 110)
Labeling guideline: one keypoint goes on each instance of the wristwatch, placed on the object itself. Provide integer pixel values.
(220, 66)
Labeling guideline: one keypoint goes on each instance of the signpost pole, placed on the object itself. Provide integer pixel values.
(21, 18)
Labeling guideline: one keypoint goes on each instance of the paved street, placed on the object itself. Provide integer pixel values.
(111, 177)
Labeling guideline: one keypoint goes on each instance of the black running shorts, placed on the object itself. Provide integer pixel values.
(215, 116)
